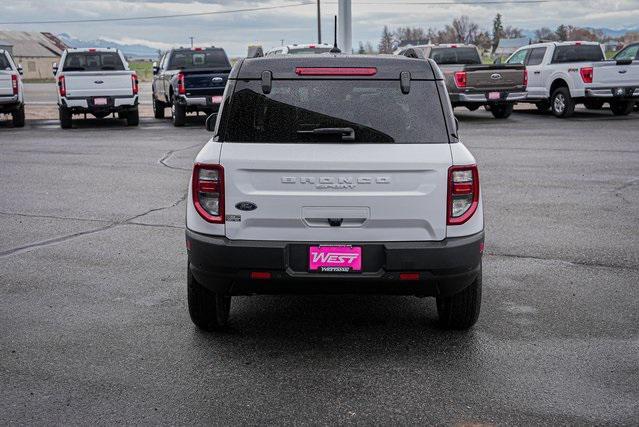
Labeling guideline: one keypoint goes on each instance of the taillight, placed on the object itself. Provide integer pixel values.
(180, 84)
(525, 77)
(134, 83)
(463, 193)
(208, 192)
(586, 74)
(62, 87)
(461, 79)
(14, 83)
(335, 71)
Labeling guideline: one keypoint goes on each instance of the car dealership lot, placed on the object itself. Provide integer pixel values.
(94, 325)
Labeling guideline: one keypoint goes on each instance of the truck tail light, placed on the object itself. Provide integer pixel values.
(14, 84)
(586, 74)
(461, 78)
(180, 84)
(525, 77)
(134, 83)
(208, 192)
(463, 193)
(62, 87)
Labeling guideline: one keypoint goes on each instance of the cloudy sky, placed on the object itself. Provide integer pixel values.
(235, 31)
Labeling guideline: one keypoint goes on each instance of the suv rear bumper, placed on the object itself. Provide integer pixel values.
(444, 268)
(482, 97)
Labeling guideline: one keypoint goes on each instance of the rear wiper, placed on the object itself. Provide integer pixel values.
(348, 134)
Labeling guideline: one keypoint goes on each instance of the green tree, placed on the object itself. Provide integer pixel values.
(498, 31)
(361, 50)
(562, 33)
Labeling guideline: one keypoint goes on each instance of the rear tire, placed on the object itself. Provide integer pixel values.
(178, 114)
(18, 117)
(461, 311)
(621, 108)
(542, 106)
(473, 107)
(561, 102)
(133, 117)
(66, 118)
(209, 311)
(501, 111)
(158, 109)
(593, 104)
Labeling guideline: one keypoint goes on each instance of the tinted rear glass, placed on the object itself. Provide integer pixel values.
(309, 50)
(348, 111)
(577, 53)
(455, 55)
(187, 59)
(93, 61)
(4, 62)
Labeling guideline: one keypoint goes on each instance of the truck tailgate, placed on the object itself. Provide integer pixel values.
(6, 87)
(615, 73)
(101, 83)
(205, 82)
(495, 77)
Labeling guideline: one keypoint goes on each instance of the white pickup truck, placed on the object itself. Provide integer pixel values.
(11, 89)
(563, 74)
(98, 82)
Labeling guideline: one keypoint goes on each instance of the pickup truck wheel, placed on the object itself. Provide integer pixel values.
(18, 117)
(593, 104)
(461, 310)
(65, 118)
(133, 117)
(561, 103)
(621, 108)
(542, 106)
(502, 111)
(209, 311)
(178, 114)
(158, 109)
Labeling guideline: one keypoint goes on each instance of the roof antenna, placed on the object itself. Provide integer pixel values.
(335, 49)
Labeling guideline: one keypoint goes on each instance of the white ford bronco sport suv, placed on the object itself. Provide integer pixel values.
(96, 81)
(335, 174)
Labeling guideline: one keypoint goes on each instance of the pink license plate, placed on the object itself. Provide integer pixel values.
(335, 259)
(100, 101)
(216, 99)
(494, 95)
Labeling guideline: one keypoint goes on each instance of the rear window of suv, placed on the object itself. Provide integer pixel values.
(577, 53)
(93, 61)
(348, 111)
(455, 55)
(206, 58)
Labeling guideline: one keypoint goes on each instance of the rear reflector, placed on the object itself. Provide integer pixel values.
(260, 275)
(208, 192)
(325, 71)
(408, 276)
(463, 193)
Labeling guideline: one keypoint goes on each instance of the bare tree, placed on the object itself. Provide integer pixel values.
(465, 30)
(387, 43)
(545, 33)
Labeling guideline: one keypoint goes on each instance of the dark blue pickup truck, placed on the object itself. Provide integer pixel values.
(189, 80)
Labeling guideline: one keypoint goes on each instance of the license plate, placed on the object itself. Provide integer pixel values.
(494, 95)
(335, 259)
(100, 101)
(216, 99)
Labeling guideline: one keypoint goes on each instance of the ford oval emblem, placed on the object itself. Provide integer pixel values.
(217, 79)
(246, 206)
(495, 76)
(98, 82)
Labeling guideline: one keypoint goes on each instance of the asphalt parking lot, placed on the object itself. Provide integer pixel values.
(94, 326)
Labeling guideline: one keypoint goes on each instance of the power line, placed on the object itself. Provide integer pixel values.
(283, 6)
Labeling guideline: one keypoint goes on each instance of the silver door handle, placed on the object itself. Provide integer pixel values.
(537, 72)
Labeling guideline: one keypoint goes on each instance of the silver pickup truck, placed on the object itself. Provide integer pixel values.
(98, 82)
(472, 84)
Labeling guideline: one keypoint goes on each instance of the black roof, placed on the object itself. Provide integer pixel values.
(388, 66)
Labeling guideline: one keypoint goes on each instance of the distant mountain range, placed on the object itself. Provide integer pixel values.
(130, 50)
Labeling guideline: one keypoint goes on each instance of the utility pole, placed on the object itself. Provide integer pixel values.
(344, 26)
(191, 42)
(319, 23)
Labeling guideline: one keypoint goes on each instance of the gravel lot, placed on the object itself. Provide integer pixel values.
(94, 326)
